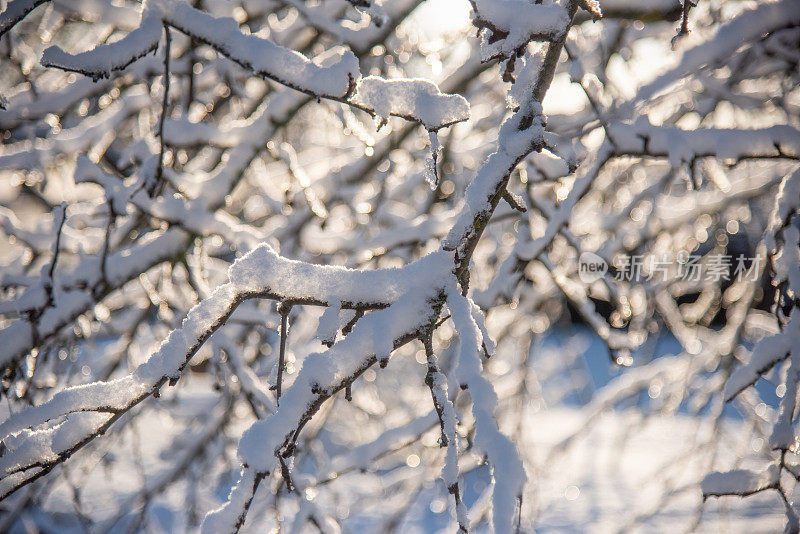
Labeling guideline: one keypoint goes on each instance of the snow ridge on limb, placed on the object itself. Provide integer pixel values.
(333, 75)
(104, 59)
(260, 55)
(297, 282)
(766, 354)
(287, 67)
(783, 244)
(16, 10)
(413, 99)
(740, 482)
(508, 25)
(683, 146)
(507, 468)
(321, 376)
(257, 274)
(745, 28)
(329, 322)
(515, 141)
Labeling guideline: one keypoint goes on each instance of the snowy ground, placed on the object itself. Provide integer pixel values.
(612, 477)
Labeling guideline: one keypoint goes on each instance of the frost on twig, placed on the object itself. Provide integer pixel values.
(437, 383)
(431, 172)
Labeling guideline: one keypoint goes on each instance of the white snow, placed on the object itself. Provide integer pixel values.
(411, 98)
(513, 144)
(15, 10)
(767, 352)
(101, 61)
(329, 322)
(682, 146)
(262, 270)
(750, 24)
(740, 482)
(431, 174)
(523, 21)
(507, 469)
(264, 57)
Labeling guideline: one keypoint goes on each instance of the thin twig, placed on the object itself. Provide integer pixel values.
(156, 186)
(283, 310)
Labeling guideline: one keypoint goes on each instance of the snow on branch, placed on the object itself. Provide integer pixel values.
(413, 99)
(262, 270)
(683, 146)
(262, 56)
(437, 383)
(181, 132)
(87, 171)
(238, 155)
(740, 482)
(153, 248)
(104, 59)
(194, 217)
(361, 456)
(747, 27)
(507, 468)
(32, 453)
(70, 301)
(334, 75)
(321, 376)
(766, 354)
(515, 141)
(26, 460)
(16, 10)
(260, 273)
(782, 240)
(509, 25)
(78, 139)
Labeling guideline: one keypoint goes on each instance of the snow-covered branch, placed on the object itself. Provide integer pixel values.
(222, 223)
